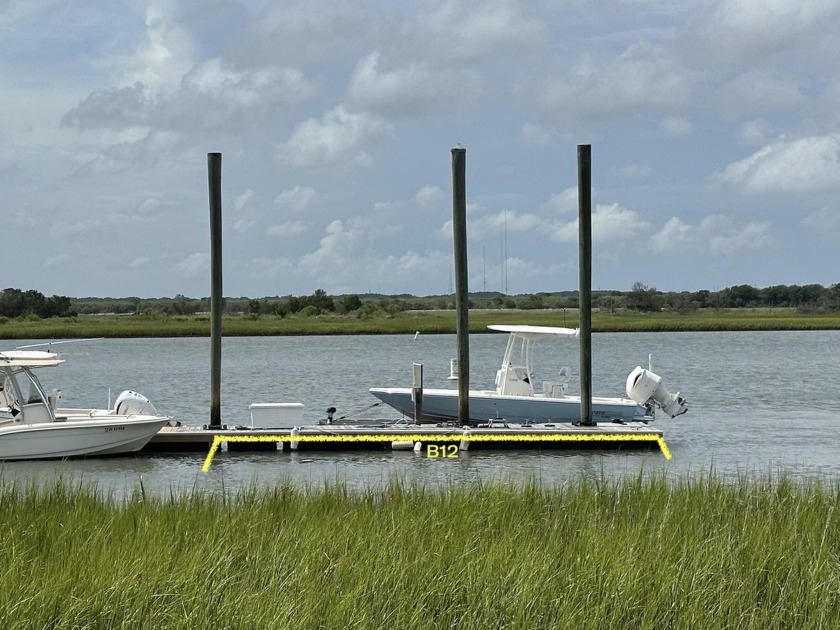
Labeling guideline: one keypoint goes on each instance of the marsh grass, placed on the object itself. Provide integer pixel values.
(411, 321)
(642, 553)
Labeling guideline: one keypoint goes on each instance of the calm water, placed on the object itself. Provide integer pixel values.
(760, 403)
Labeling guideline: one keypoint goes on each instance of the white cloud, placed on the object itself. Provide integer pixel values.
(760, 90)
(823, 222)
(193, 266)
(139, 263)
(288, 229)
(511, 220)
(297, 199)
(787, 166)
(243, 225)
(674, 236)
(243, 200)
(610, 223)
(428, 196)
(753, 236)
(412, 90)
(717, 234)
(746, 29)
(167, 53)
(643, 78)
(565, 202)
(450, 31)
(754, 133)
(338, 136)
(335, 248)
(302, 32)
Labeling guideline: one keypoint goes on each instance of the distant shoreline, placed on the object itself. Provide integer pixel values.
(410, 322)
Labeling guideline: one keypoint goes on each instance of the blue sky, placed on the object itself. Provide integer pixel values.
(715, 133)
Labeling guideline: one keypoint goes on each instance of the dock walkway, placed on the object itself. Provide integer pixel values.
(383, 436)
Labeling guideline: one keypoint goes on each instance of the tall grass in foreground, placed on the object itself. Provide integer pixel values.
(642, 554)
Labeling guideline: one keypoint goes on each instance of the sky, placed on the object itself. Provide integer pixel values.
(714, 127)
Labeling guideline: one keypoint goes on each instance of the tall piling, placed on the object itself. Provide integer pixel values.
(585, 280)
(462, 306)
(214, 177)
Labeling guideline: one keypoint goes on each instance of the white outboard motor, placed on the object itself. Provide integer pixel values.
(131, 403)
(644, 386)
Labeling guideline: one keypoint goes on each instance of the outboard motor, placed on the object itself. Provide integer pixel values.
(644, 386)
(131, 403)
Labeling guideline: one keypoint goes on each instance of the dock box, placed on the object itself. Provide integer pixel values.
(276, 415)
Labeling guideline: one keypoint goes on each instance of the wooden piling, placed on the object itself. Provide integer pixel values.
(462, 328)
(214, 176)
(585, 280)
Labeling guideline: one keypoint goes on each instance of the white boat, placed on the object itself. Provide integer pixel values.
(519, 399)
(32, 426)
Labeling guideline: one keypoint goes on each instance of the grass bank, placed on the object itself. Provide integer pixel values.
(642, 554)
(408, 322)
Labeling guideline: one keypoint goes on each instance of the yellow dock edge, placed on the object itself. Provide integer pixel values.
(583, 437)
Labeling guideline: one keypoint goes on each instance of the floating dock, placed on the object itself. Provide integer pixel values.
(430, 440)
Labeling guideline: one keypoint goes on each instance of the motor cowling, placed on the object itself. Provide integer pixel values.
(644, 386)
(131, 403)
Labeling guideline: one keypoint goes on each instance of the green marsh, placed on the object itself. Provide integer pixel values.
(700, 552)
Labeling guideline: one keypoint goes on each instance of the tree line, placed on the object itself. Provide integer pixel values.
(17, 303)
(806, 298)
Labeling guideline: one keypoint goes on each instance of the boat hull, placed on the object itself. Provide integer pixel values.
(441, 405)
(78, 438)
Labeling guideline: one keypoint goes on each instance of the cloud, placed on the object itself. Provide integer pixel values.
(413, 90)
(510, 220)
(753, 236)
(674, 236)
(111, 108)
(565, 202)
(297, 199)
(139, 262)
(455, 32)
(747, 30)
(301, 32)
(211, 95)
(760, 90)
(335, 247)
(799, 165)
(610, 223)
(193, 266)
(598, 87)
(754, 133)
(243, 200)
(338, 136)
(288, 229)
(428, 196)
(718, 234)
(167, 52)
(823, 222)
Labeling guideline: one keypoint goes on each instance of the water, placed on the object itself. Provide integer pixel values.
(761, 403)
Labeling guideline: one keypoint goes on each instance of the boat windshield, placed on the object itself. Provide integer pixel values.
(28, 386)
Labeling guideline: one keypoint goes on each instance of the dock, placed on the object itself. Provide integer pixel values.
(429, 440)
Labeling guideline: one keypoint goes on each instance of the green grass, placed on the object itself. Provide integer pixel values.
(408, 322)
(638, 553)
